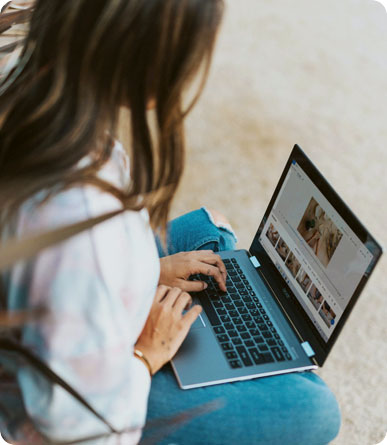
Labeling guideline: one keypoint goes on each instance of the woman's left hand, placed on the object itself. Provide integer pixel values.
(176, 269)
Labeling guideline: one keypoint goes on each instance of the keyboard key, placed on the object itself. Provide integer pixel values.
(233, 260)
(243, 354)
(271, 342)
(246, 317)
(243, 292)
(257, 357)
(278, 354)
(221, 311)
(231, 355)
(250, 305)
(226, 261)
(252, 293)
(246, 298)
(236, 341)
(239, 303)
(288, 356)
(217, 304)
(242, 275)
(233, 313)
(254, 332)
(227, 346)
(262, 311)
(262, 327)
(245, 282)
(283, 349)
(263, 348)
(233, 333)
(226, 299)
(241, 328)
(219, 330)
(242, 310)
(249, 343)
(268, 357)
(258, 319)
(250, 325)
(229, 325)
(280, 342)
(225, 318)
(235, 364)
(277, 336)
(259, 339)
(239, 285)
(266, 317)
(267, 334)
(222, 338)
(249, 288)
(237, 320)
(245, 335)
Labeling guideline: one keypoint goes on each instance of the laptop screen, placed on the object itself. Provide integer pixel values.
(317, 253)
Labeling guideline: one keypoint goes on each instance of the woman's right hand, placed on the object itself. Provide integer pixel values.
(166, 326)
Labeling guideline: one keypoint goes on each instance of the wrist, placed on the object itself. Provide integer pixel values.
(141, 356)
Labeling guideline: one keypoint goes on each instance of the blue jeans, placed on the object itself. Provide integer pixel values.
(291, 409)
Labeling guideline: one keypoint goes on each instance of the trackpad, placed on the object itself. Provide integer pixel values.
(199, 323)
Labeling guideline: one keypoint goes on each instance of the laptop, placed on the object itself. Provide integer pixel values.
(288, 296)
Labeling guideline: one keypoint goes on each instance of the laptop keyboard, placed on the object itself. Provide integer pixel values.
(241, 324)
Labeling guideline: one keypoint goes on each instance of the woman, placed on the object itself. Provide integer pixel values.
(114, 310)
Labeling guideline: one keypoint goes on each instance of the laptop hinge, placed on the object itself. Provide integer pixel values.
(255, 262)
(308, 349)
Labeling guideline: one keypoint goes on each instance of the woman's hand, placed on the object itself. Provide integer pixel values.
(176, 269)
(166, 326)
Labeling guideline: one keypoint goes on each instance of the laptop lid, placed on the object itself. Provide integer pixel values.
(315, 254)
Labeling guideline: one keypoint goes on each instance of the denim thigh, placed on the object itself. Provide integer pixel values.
(289, 409)
(196, 231)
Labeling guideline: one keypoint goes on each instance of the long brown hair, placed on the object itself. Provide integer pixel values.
(82, 61)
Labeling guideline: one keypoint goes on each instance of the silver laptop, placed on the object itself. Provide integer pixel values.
(290, 295)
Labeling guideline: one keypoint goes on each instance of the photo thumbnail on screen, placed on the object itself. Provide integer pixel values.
(282, 249)
(319, 232)
(327, 314)
(304, 280)
(272, 234)
(293, 264)
(315, 297)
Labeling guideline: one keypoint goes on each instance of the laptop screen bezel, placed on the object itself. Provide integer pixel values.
(288, 300)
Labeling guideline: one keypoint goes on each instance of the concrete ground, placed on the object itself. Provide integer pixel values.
(312, 72)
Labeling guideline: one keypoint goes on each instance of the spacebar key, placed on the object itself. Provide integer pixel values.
(209, 310)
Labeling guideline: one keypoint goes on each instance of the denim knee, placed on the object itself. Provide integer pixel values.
(323, 413)
(197, 231)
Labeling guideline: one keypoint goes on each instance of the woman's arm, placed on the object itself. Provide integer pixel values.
(96, 308)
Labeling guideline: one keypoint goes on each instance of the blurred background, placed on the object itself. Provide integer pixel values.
(312, 73)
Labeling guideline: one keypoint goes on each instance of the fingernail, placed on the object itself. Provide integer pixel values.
(205, 285)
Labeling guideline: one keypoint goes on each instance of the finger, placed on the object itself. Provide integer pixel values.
(214, 259)
(183, 301)
(190, 316)
(172, 296)
(213, 271)
(192, 286)
(161, 291)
